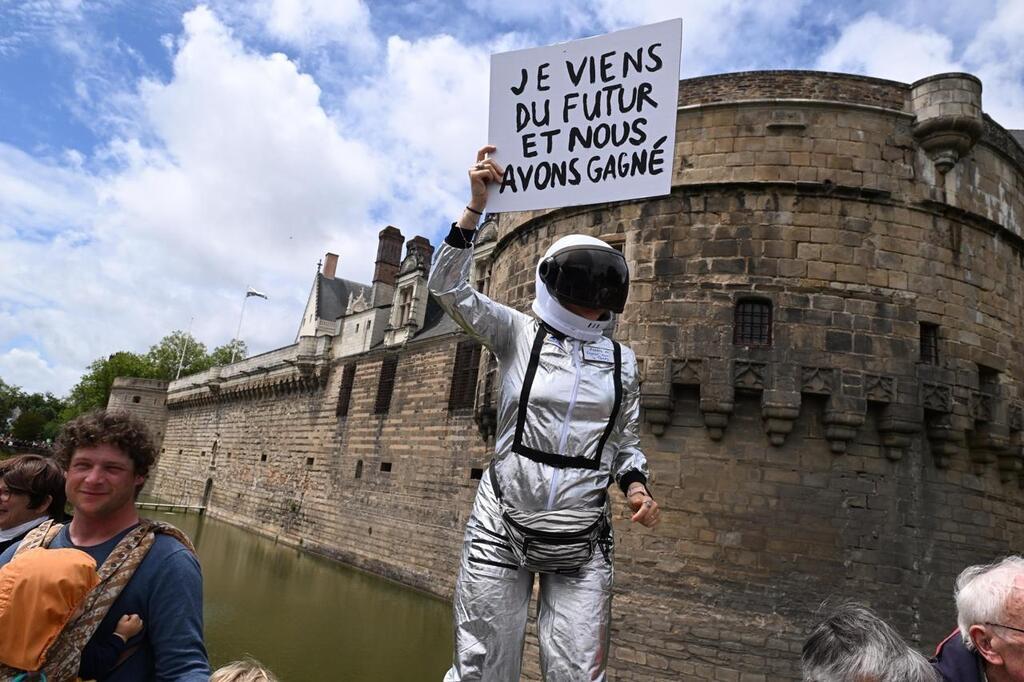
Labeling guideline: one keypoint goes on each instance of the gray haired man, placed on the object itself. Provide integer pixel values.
(988, 645)
(854, 645)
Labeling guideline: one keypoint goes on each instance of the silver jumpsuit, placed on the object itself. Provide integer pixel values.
(569, 403)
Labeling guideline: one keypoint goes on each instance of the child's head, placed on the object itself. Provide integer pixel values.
(248, 670)
(41, 590)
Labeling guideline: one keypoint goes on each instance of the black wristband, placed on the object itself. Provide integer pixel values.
(631, 477)
(459, 238)
(473, 210)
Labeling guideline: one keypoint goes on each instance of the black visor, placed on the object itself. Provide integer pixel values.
(589, 276)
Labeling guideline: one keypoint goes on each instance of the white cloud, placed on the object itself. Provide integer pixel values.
(884, 48)
(33, 374)
(240, 178)
(314, 23)
(427, 113)
(878, 47)
(997, 56)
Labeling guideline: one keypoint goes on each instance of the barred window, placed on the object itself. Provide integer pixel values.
(752, 325)
(348, 378)
(467, 362)
(929, 343)
(386, 384)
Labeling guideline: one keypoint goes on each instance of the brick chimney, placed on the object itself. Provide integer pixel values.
(389, 258)
(421, 246)
(330, 265)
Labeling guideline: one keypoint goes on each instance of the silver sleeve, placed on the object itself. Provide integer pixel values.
(628, 455)
(491, 323)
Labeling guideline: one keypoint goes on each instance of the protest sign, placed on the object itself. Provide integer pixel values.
(587, 121)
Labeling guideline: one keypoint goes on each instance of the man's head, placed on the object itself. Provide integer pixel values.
(854, 645)
(31, 486)
(990, 614)
(107, 454)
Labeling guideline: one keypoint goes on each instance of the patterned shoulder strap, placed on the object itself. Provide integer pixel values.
(168, 529)
(40, 536)
(63, 658)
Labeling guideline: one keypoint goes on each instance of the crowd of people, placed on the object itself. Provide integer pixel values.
(108, 595)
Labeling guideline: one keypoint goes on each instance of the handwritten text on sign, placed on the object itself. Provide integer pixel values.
(587, 121)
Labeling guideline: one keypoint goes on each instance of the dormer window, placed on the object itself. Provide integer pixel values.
(404, 305)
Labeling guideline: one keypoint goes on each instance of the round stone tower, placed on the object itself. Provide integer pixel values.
(827, 310)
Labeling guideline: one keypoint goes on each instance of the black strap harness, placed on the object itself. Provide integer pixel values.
(559, 460)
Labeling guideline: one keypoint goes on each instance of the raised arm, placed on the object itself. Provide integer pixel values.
(493, 324)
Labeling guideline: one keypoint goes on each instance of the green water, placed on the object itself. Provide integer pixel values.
(308, 618)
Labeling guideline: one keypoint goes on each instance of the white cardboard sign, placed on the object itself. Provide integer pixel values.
(587, 121)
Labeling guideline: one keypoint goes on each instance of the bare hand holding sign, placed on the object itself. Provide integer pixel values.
(587, 121)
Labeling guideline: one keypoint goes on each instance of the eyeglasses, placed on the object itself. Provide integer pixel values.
(1000, 625)
(6, 493)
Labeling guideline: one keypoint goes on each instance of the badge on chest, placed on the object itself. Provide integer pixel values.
(598, 354)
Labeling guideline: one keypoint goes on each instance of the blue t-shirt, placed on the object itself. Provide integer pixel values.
(167, 593)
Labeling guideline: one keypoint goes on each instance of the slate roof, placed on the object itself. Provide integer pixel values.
(1018, 135)
(435, 321)
(332, 296)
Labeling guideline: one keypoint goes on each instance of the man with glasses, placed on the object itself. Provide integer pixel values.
(988, 645)
(31, 491)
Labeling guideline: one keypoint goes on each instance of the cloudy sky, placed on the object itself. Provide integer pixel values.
(158, 158)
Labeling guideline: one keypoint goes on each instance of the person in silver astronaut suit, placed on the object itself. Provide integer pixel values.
(568, 425)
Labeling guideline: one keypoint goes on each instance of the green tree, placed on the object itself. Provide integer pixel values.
(29, 425)
(93, 390)
(221, 355)
(164, 356)
(10, 397)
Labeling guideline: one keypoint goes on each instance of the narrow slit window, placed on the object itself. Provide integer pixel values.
(359, 469)
(348, 377)
(929, 343)
(386, 384)
(752, 325)
(463, 388)
(385, 467)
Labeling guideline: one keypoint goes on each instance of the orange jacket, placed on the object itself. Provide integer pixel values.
(41, 590)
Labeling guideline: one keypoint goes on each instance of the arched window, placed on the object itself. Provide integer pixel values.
(752, 323)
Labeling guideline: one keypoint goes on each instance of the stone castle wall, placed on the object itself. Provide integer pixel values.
(835, 463)
(145, 398)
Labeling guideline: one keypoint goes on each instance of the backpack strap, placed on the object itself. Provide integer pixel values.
(40, 536)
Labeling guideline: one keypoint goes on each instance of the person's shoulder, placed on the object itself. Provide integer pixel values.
(954, 661)
(8, 554)
(167, 546)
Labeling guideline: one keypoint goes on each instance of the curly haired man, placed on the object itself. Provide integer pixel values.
(153, 571)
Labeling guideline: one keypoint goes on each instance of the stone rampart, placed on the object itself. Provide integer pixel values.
(869, 446)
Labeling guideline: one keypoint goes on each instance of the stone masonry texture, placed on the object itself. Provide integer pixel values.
(835, 464)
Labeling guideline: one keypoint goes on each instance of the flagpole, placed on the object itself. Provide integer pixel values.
(184, 347)
(238, 333)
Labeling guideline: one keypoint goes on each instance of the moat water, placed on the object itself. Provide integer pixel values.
(308, 618)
